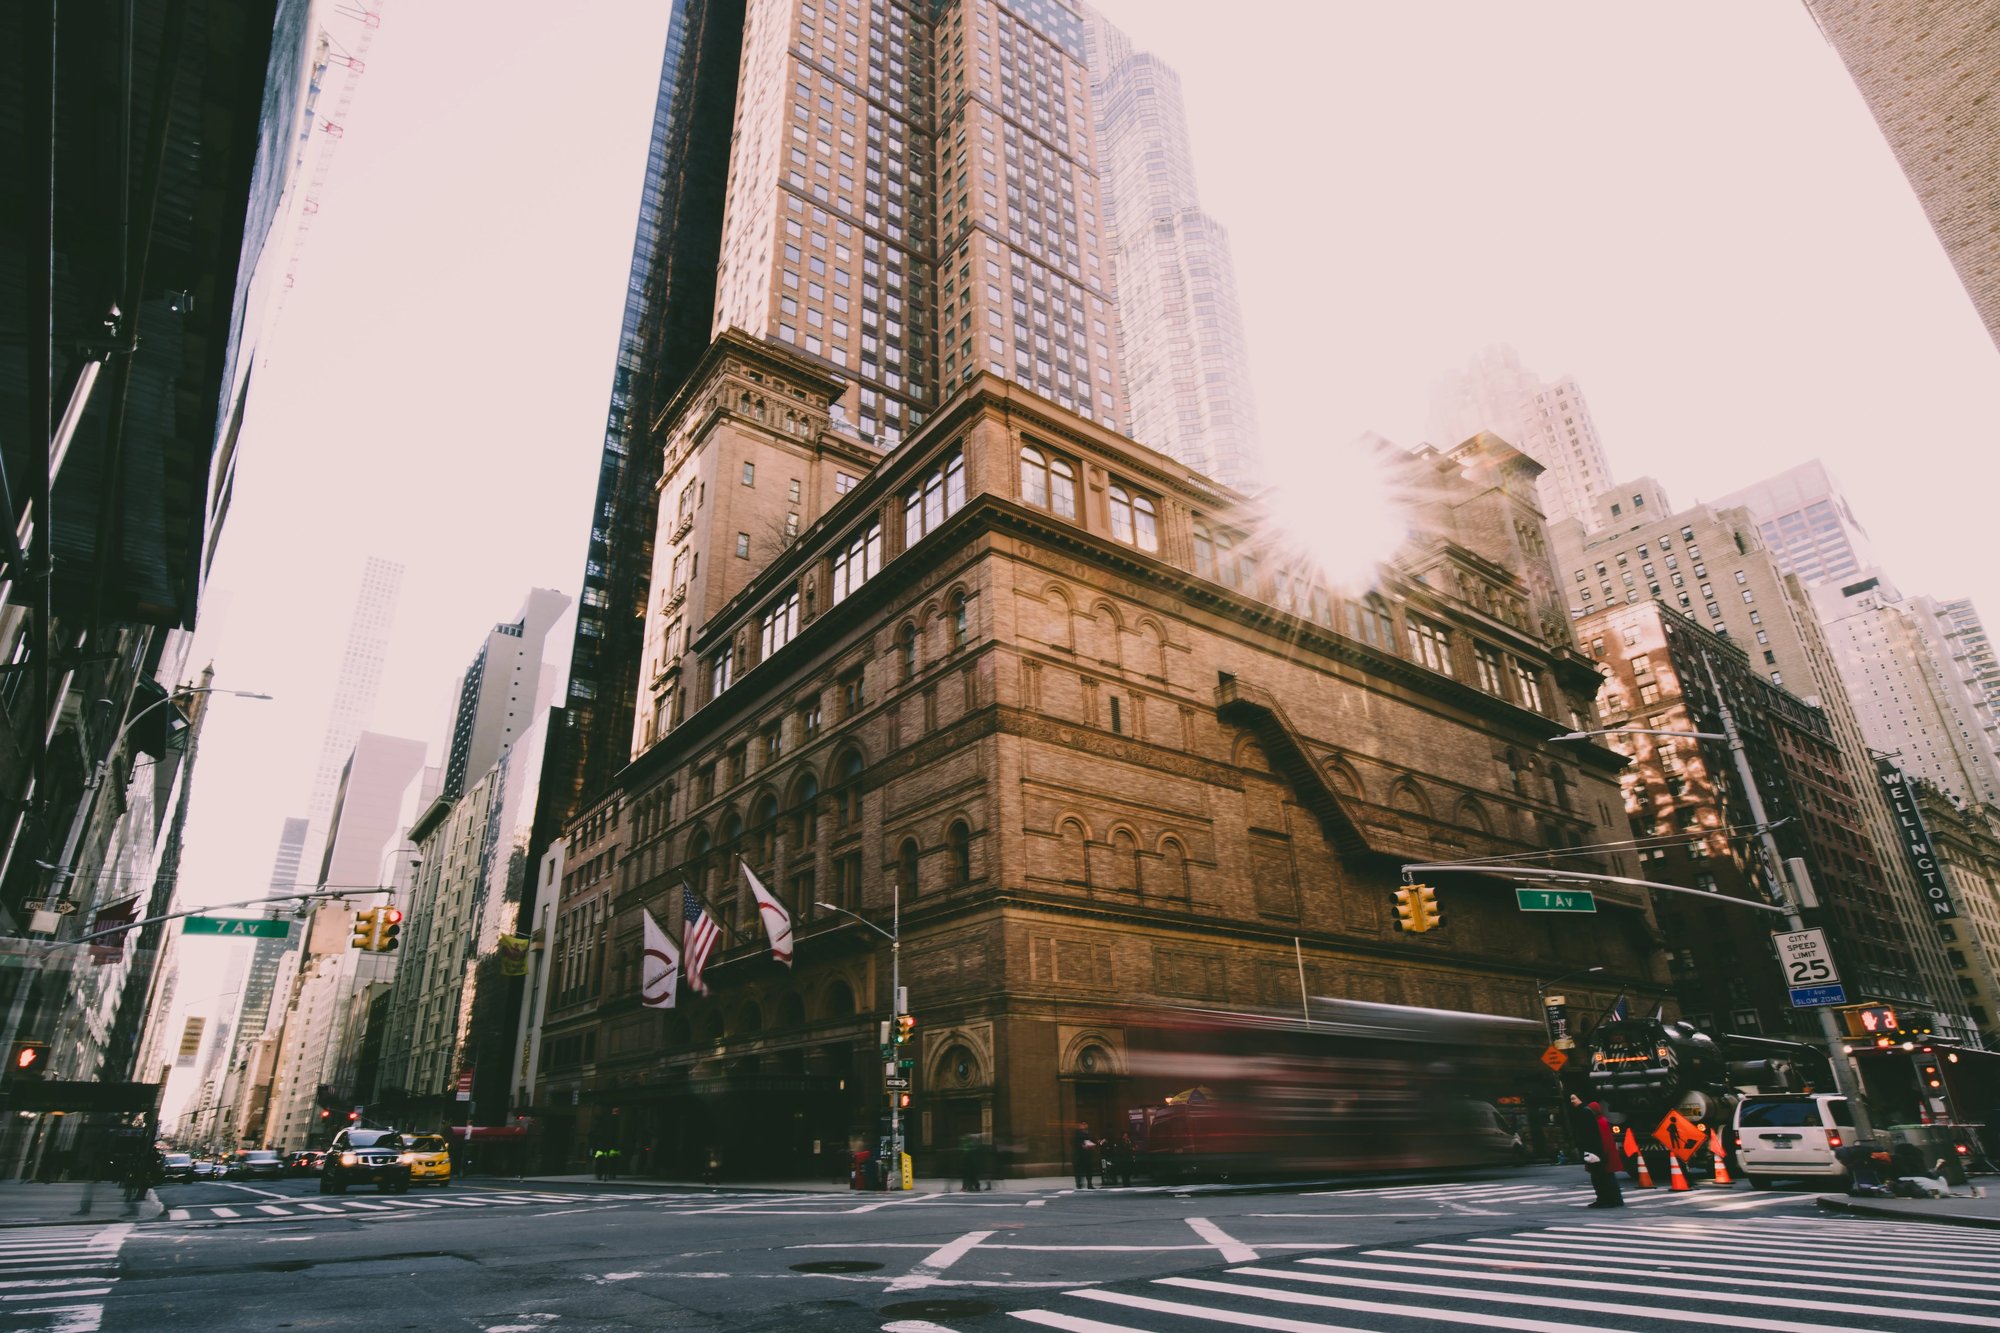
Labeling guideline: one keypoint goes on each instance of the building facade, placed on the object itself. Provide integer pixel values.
(1963, 843)
(1548, 420)
(1804, 518)
(1027, 679)
(1930, 71)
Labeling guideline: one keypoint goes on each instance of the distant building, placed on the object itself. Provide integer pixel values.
(362, 657)
(1547, 420)
(1914, 703)
(1965, 840)
(503, 692)
(1804, 518)
(1180, 331)
(1930, 72)
(1967, 643)
(1707, 563)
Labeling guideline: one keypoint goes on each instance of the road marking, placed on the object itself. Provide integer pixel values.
(220, 1211)
(1481, 1319)
(320, 1207)
(54, 1282)
(370, 1207)
(178, 1215)
(47, 1295)
(1539, 1249)
(927, 1269)
(1070, 1322)
(1233, 1250)
(269, 1194)
(1633, 1288)
(273, 1208)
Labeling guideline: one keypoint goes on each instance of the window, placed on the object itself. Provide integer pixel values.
(1215, 557)
(1132, 520)
(810, 718)
(842, 483)
(1371, 622)
(847, 790)
(955, 621)
(906, 866)
(774, 743)
(749, 474)
(1530, 682)
(958, 853)
(1430, 644)
(1486, 665)
(853, 694)
(718, 673)
(780, 625)
(906, 653)
(794, 491)
(742, 546)
(1749, 595)
(1047, 482)
(940, 495)
(857, 562)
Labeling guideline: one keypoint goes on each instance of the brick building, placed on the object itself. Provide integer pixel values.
(1109, 747)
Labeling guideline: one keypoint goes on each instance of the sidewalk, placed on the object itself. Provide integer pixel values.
(1958, 1210)
(919, 1184)
(27, 1203)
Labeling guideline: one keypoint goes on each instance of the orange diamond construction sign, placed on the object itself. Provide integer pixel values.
(1680, 1136)
(1554, 1059)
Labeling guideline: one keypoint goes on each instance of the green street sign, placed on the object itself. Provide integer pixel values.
(906, 1064)
(1556, 900)
(237, 927)
(888, 1052)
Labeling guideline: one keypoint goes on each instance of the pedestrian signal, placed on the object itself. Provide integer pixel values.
(364, 929)
(28, 1057)
(902, 1101)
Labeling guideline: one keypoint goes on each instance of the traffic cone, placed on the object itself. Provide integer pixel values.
(1645, 1176)
(1722, 1176)
(1676, 1181)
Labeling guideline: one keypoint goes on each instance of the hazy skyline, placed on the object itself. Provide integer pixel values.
(1689, 209)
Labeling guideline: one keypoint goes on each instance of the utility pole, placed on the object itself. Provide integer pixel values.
(1787, 898)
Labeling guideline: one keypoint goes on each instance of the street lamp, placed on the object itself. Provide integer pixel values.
(65, 866)
(1786, 899)
(895, 937)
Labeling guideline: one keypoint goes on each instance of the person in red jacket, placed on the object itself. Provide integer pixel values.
(1602, 1143)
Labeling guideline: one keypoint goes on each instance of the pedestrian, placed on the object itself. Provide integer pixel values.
(1597, 1142)
(611, 1163)
(599, 1162)
(712, 1172)
(1122, 1153)
(1083, 1152)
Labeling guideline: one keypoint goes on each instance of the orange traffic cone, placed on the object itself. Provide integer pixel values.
(1722, 1176)
(1645, 1176)
(1676, 1181)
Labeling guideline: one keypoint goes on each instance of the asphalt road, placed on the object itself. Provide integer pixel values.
(1514, 1251)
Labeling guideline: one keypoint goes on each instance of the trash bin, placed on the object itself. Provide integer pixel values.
(860, 1166)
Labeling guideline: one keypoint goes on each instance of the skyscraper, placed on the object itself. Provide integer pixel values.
(1973, 649)
(1804, 517)
(354, 690)
(503, 692)
(1187, 372)
(1547, 420)
(906, 193)
(265, 955)
(1930, 71)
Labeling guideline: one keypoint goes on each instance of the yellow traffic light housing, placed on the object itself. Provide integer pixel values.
(387, 929)
(906, 1024)
(1417, 908)
(364, 929)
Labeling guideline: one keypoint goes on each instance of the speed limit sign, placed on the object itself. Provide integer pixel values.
(1809, 970)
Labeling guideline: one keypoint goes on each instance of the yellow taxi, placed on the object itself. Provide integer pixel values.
(429, 1160)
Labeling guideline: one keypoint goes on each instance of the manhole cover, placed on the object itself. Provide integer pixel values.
(837, 1266)
(938, 1309)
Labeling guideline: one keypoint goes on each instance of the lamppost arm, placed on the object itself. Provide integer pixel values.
(1638, 731)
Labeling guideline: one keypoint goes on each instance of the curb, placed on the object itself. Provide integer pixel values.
(1907, 1214)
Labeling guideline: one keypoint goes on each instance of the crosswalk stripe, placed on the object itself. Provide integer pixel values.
(1513, 1261)
(410, 1203)
(1831, 1249)
(45, 1295)
(1739, 1263)
(273, 1208)
(369, 1207)
(1071, 1323)
(1685, 1293)
(224, 1212)
(1479, 1319)
(178, 1215)
(320, 1207)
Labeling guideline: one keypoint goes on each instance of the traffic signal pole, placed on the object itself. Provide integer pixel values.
(896, 1013)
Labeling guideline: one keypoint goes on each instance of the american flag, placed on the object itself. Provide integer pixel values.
(698, 936)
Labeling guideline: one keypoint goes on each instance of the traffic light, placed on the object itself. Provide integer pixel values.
(902, 1101)
(28, 1058)
(1417, 908)
(1930, 1078)
(905, 1025)
(386, 931)
(364, 929)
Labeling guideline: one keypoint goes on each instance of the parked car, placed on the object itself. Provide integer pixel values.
(1792, 1135)
(366, 1157)
(429, 1159)
(257, 1164)
(177, 1166)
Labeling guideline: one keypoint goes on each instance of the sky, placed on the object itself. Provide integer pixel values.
(1687, 207)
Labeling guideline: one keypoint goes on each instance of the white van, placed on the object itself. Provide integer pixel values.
(1792, 1134)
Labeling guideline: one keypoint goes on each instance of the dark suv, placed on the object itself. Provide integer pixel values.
(363, 1157)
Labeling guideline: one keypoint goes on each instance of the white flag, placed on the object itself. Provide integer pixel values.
(660, 969)
(777, 921)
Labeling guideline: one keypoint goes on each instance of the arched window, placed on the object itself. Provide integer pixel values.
(958, 848)
(763, 829)
(697, 862)
(906, 866)
(1047, 482)
(839, 1000)
(955, 621)
(847, 790)
(1071, 858)
(805, 815)
(906, 653)
(1204, 552)
(1171, 873)
(1369, 621)
(1124, 861)
(1133, 521)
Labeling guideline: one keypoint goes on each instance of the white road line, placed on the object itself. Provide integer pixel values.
(178, 1215)
(1233, 1250)
(54, 1282)
(1683, 1294)
(925, 1272)
(220, 1211)
(1761, 1201)
(320, 1207)
(1071, 1323)
(46, 1295)
(371, 1207)
(1832, 1272)
(273, 1208)
(1482, 1319)
(1597, 1266)
(269, 1194)
(1830, 1249)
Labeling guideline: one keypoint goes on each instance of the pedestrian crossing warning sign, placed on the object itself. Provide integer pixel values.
(1680, 1136)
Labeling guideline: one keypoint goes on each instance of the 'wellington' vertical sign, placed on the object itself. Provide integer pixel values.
(1917, 848)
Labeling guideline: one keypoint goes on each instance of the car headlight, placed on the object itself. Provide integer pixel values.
(348, 1159)
(406, 1158)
